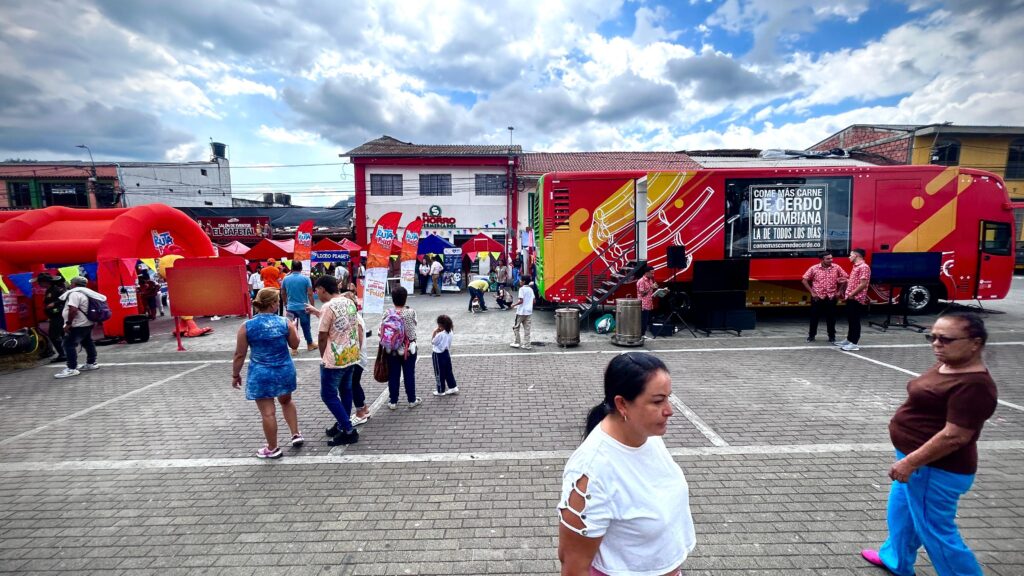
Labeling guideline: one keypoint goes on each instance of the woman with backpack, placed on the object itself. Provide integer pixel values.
(398, 339)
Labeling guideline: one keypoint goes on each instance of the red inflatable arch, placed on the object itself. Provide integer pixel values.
(113, 238)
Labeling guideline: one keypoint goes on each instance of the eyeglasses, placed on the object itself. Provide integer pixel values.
(944, 340)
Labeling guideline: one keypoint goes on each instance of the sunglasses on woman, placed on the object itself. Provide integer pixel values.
(944, 340)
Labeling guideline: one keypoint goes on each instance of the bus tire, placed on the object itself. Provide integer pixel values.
(922, 299)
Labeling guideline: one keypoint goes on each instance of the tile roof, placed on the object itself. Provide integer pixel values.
(29, 170)
(543, 162)
(388, 146)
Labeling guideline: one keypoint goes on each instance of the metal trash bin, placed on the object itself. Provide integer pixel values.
(567, 327)
(627, 323)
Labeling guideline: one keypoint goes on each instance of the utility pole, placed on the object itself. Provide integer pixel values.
(91, 186)
(511, 204)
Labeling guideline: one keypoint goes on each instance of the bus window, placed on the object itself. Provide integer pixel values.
(995, 238)
(787, 217)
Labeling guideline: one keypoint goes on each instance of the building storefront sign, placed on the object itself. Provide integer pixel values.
(432, 218)
(236, 228)
(336, 256)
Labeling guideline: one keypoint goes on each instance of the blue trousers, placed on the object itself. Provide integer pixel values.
(923, 511)
(336, 392)
(303, 317)
(444, 376)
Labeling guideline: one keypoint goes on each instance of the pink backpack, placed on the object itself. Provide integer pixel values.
(392, 332)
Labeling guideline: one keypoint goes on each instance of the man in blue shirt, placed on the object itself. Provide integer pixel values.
(296, 292)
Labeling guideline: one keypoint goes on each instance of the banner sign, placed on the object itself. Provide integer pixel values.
(337, 256)
(239, 228)
(788, 218)
(451, 278)
(161, 240)
(303, 241)
(375, 284)
(410, 244)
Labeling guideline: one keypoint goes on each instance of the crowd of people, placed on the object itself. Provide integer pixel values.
(624, 504)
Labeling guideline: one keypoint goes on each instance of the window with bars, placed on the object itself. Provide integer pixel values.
(1015, 160)
(20, 194)
(435, 184)
(946, 152)
(385, 184)
(491, 185)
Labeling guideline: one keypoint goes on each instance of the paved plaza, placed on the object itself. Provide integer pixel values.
(146, 466)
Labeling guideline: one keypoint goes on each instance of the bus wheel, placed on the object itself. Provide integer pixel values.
(921, 299)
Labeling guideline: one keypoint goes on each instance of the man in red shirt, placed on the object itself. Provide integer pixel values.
(856, 299)
(823, 281)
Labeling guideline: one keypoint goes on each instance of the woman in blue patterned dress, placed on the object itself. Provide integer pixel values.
(271, 372)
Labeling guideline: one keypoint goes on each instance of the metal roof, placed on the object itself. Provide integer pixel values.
(388, 146)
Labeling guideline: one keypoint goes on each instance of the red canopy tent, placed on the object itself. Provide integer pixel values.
(236, 248)
(349, 245)
(268, 248)
(481, 243)
(328, 244)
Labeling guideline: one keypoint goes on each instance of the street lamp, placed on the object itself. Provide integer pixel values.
(92, 176)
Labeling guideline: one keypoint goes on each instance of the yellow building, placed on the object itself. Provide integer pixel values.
(997, 149)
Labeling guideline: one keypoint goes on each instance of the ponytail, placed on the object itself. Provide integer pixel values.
(594, 417)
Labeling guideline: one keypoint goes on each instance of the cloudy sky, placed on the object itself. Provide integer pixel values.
(292, 82)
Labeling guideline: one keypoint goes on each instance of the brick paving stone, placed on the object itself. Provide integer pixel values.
(755, 512)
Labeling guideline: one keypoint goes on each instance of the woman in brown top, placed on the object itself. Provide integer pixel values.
(935, 433)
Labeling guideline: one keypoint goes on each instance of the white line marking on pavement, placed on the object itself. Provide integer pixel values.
(880, 363)
(697, 421)
(915, 375)
(101, 405)
(531, 456)
(572, 353)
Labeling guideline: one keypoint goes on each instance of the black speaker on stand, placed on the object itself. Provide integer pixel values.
(678, 302)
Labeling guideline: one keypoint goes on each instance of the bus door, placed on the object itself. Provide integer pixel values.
(995, 260)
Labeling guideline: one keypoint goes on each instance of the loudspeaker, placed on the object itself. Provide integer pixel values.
(136, 328)
(660, 329)
(675, 257)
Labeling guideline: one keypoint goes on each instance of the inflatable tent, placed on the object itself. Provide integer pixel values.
(113, 238)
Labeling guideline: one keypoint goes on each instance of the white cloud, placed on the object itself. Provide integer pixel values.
(285, 136)
(189, 152)
(233, 86)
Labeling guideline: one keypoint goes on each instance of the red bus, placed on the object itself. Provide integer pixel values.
(780, 220)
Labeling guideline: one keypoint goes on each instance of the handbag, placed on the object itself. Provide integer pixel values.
(380, 366)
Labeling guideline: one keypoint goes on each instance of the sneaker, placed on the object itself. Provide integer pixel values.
(344, 438)
(452, 391)
(66, 373)
(526, 347)
(392, 405)
(359, 420)
(266, 452)
(515, 345)
(87, 367)
(832, 341)
(415, 403)
(436, 393)
(332, 431)
(841, 343)
(810, 339)
(298, 440)
(849, 347)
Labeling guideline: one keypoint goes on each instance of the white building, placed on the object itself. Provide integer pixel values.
(199, 184)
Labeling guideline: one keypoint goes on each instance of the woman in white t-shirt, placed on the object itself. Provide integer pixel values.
(625, 505)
